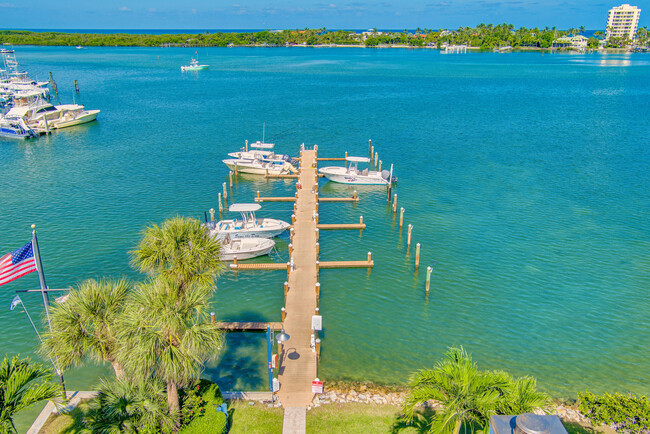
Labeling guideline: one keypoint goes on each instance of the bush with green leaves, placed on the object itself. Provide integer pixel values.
(627, 413)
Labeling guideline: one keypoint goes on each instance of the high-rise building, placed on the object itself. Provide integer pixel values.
(623, 21)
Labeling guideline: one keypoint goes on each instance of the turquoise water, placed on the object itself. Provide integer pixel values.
(525, 176)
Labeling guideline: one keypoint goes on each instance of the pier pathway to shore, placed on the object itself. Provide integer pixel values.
(298, 362)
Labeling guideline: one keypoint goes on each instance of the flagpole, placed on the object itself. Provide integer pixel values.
(46, 301)
(41, 275)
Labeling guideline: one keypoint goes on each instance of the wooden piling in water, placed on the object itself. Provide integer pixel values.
(220, 205)
(76, 86)
(286, 289)
(370, 148)
(401, 218)
(246, 146)
(230, 179)
(212, 317)
(317, 342)
(408, 237)
(225, 193)
(379, 168)
(283, 312)
(417, 256)
(394, 203)
(212, 214)
(428, 278)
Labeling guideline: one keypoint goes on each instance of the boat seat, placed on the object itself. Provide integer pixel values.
(365, 172)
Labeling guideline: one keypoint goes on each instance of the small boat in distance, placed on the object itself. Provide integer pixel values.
(249, 226)
(258, 166)
(352, 174)
(194, 66)
(245, 248)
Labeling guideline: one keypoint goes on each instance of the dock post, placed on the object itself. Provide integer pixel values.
(408, 237)
(236, 169)
(428, 278)
(317, 234)
(234, 261)
(317, 270)
(316, 218)
(291, 232)
(283, 311)
(379, 169)
(290, 249)
(369, 148)
(317, 250)
(355, 195)
(394, 203)
(212, 214)
(225, 193)
(401, 218)
(286, 290)
(76, 86)
(346, 155)
(417, 256)
(369, 257)
(317, 292)
(230, 178)
(376, 158)
(293, 219)
(246, 145)
(258, 195)
(360, 219)
(288, 269)
(317, 341)
(372, 154)
(212, 317)
(220, 205)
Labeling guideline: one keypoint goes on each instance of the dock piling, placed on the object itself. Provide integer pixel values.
(283, 311)
(76, 86)
(212, 317)
(212, 214)
(369, 148)
(317, 250)
(246, 146)
(290, 249)
(428, 278)
(401, 218)
(408, 237)
(220, 205)
(317, 342)
(417, 256)
(394, 203)
(225, 193)
(230, 179)
(369, 256)
(379, 169)
(376, 158)
(286, 289)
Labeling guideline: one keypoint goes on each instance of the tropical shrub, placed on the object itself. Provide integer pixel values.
(124, 405)
(469, 396)
(627, 413)
(22, 384)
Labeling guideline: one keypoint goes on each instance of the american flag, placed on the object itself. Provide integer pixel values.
(17, 263)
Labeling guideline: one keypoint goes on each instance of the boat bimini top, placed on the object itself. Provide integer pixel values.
(358, 159)
(244, 207)
(260, 145)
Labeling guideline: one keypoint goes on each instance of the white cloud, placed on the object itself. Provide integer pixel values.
(194, 11)
(125, 9)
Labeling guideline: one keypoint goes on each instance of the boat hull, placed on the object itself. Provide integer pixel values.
(335, 174)
(253, 168)
(264, 228)
(88, 116)
(259, 247)
(194, 68)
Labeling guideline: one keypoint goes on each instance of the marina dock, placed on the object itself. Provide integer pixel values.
(298, 357)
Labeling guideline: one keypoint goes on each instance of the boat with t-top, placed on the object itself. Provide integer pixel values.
(249, 225)
(352, 174)
(244, 248)
(194, 66)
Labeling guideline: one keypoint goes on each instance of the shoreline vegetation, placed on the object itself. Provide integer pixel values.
(482, 37)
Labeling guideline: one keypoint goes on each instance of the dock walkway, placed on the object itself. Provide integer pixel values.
(298, 363)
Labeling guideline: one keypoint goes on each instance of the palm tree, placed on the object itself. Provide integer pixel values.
(469, 396)
(168, 334)
(85, 325)
(125, 405)
(180, 250)
(20, 388)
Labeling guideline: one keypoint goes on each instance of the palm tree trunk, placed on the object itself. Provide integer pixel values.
(119, 370)
(172, 398)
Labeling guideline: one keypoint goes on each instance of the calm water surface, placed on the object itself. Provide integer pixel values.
(525, 177)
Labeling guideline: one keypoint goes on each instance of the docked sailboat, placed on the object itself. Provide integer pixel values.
(245, 248)
(352, 174)
(249, 226)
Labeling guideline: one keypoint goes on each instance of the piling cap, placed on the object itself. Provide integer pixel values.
(33, 226)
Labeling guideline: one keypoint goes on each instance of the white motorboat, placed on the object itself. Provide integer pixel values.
(39, 113)
(193, 66)
(15, 128)
(245, 248)
(260, 167)
(352, 174)
(260, 151)
(249, 226)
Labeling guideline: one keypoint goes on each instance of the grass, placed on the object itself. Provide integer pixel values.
(355, 418)
(253, 419)
(67, 423)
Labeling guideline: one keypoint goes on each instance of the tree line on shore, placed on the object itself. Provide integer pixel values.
(485, 36)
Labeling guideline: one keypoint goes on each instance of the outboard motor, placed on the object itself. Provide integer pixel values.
(386, 175)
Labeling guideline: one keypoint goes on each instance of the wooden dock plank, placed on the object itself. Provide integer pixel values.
(275, 199)
(331, 159)
(347, 264)
(338, 199)
(241, 326)
(262, 266)
(333, 226)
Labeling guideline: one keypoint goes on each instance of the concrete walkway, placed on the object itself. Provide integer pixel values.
(295, 420)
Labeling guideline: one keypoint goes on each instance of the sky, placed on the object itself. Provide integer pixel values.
(292, 14)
